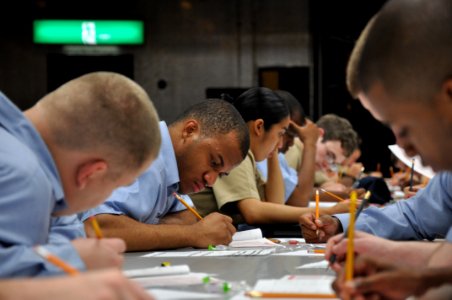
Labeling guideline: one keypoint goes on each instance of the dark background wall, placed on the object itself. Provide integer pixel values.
(195, 46)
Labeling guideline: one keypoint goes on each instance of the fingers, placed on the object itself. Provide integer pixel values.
(116, 244)
(307, 220)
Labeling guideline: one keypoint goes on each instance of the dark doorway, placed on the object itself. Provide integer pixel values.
(62, 68)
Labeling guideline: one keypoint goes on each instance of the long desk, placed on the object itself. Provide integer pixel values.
(236, 268)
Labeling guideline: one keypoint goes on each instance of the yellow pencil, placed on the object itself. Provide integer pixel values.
(56, 260)
(188, 206)
(333, 195)
(96, 227)
(351, 233)
(317, 204)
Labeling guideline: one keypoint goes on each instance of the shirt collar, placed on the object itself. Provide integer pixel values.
(168, 155)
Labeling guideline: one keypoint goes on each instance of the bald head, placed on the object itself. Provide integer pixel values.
(106, 113)
(406, 48)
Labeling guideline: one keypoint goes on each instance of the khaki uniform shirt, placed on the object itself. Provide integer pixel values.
(243, 182)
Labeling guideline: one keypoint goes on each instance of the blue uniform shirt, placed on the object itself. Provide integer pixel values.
(427, 215)
(449, 235)
(150, 197)
(289, 174)
(30, 191)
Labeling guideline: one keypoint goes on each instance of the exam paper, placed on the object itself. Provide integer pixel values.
(173, 280)
(164, 294)
(251, 238)
(158, 271)
(418, 166)
(315, 265)
(202, 253)
(302, 252)
(305, 284)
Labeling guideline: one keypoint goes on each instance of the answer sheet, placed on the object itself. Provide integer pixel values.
(198, 253)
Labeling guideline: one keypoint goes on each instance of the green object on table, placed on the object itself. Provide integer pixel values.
(226, 287)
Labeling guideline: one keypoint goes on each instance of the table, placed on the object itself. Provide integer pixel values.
(236, 268)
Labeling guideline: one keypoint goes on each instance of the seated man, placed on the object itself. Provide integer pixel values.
(206, 141)
(411, 91)
(64, 155)
(336, 143)
(426, 215)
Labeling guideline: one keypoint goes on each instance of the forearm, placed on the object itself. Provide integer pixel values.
(184, 217)
(141, 237)
(411, 254)
(274, 187)
(299, 198)
(257, 212)
(441, 256)
(306, 173)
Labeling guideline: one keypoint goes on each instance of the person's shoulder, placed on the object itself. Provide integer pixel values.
(16, 159)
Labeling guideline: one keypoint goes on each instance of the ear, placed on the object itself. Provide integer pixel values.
(321, 132)
(258, 127)
(190, 130)
(89, 171)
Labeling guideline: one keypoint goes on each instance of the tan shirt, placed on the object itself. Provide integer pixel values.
(243, 182)
(294, 155)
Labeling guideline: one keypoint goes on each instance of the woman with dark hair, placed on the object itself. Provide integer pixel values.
(243, 194)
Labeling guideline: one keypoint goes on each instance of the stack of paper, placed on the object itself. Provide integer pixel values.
(291, 286)
(251, 238)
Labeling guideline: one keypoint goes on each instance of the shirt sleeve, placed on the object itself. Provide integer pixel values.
(25, 205)
(239, 184)
(427, 215)
(290, 176)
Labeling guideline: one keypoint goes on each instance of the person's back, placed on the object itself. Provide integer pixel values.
(65, 154)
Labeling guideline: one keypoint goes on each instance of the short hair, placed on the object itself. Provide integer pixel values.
(407, 48)
(218, 117)
(294, 106)
(339, 129)
(262, 103)
(105, 112)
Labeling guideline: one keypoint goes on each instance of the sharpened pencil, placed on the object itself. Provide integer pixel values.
(188, 206)
(96, 227)
(43, 252)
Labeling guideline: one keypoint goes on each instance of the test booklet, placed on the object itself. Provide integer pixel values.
(309, 284)
(200, 253)
(251, 238)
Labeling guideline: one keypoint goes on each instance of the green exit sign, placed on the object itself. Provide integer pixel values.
(88, 32)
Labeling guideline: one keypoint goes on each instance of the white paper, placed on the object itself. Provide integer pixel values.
(418, 166)
(251, 234)
(173, 280)
(306, 284)
(262, 242)
(253, 252)
(158, 271)
(164, 294)
(315, 265)
(251, 238)
(322, 204)
(298, 253)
